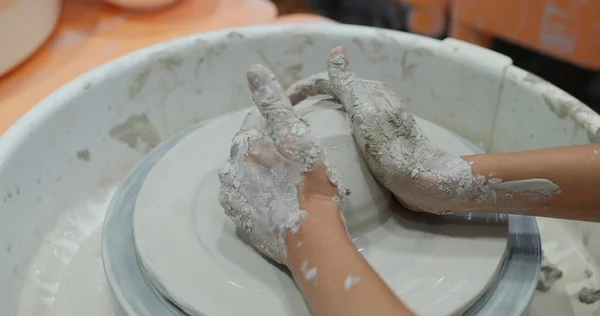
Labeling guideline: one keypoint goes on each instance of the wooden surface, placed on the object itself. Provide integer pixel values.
(565, 29)
(91, 33)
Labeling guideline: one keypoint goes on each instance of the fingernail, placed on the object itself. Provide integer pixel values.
(338, 56)
(255, 80)
(338, 50)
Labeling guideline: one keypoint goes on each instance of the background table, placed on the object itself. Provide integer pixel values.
(91, 33)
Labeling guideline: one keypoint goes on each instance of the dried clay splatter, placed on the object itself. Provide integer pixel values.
(350, 281)
(588, 296)
(309, 274)
(549, 273)
(529, 186)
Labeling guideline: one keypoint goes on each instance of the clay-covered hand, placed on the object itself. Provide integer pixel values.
(275, 171)
(422, 176)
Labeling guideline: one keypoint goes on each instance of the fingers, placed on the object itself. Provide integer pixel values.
(268, 156)
(227, 177)
(252, 121)
(235, 207)
(230, 202)
(224, 198)
(269, 97)
(341, 75)
(314, 85)
(291, 136)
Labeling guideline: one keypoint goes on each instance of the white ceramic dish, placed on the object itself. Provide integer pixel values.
(60, 163)
(24, 26)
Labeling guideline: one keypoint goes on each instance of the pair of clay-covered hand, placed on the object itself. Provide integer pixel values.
(276, 164)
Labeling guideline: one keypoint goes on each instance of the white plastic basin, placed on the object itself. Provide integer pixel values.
(60, 163)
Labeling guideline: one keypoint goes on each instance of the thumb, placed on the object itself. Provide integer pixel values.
(342, 76)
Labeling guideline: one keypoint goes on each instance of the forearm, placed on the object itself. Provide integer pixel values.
(575, 170)
(333, 276)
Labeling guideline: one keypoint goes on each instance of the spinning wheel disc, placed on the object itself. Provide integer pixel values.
(200, 263)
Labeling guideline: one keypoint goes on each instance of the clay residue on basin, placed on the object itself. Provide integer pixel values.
(549, 273)
(83, 155)
(564, 105)
(137, 132)
(588, 296)
(138, 83)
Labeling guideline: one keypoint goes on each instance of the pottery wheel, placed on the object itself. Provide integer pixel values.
(193, 260)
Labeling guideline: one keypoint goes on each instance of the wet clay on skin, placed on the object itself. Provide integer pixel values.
(532, 186)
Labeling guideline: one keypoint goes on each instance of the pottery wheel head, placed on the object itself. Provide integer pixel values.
(192, 253)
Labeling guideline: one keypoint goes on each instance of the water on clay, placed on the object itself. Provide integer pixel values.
(66, 277)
